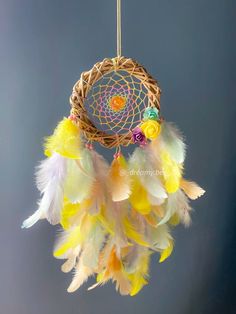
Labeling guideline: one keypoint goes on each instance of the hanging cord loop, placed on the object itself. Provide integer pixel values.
(118, 28)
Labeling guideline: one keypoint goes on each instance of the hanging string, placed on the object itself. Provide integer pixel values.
(118, 28)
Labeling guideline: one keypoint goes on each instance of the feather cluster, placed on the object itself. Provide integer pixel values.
(113, 217)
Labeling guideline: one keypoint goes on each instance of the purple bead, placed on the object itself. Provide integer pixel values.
(138, 136)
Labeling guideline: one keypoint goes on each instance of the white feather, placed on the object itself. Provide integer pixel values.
(29, 222)
(159, 237)
(50, 178)
(93, 247)
(176, 202)
(49, 168)
(155, 200)
(79, 178)
(141, 163)
(172, 141)
(99, 191)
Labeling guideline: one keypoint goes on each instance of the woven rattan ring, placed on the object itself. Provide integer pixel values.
(87, 81)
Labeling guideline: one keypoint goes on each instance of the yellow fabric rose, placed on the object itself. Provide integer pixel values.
(151, 129)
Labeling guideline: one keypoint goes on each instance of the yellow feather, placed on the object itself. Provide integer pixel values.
(174, 220)
(138, 279)
(167, 252)
(132, 234)
(74, 238)
(171, 172)
(107, 225)
(137, 282)
(68, 212)
(76, 235)
(139, 198)
(65, 140)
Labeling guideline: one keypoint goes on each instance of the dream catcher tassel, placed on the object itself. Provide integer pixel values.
(114, 217)
(52, 172)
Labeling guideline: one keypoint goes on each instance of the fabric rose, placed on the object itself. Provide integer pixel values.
(151, 129)
(138, 136)
(151, 113)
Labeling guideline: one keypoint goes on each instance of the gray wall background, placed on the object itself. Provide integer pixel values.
(189, 46)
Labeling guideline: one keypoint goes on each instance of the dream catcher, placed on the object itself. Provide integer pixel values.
(114, 217)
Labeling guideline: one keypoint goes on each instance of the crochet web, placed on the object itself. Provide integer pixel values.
(115, 103)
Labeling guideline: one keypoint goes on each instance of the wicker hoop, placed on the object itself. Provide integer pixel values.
(89, 78)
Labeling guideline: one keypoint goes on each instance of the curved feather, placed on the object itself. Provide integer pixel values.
(30, 221)
(141, 164)
(50, 178)
(172, 141)
(176, 202)
(79, 178)
(131, 259)
(166, 252)
(191, 189)
(115, 272)
(68, 213)
(172, 172)
(139, 197)
(81, 275)
(100, 188)
(93, 246)
(119, 180)
(139, 277)
(71, 260)
(159, 237)
(67, 241)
